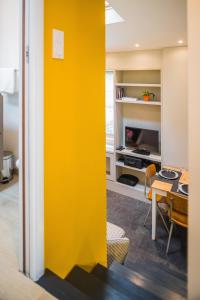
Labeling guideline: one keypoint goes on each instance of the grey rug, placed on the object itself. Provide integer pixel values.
(129, 214)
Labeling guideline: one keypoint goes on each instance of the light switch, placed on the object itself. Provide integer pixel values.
(58, 44)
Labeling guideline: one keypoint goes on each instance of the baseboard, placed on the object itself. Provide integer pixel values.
(125, 190)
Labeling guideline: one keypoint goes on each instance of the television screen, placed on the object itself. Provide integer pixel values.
(142, 139)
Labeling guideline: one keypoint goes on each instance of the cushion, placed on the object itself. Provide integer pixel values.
(117, 250)
(178, 218)
(159, 198)
(114, 231)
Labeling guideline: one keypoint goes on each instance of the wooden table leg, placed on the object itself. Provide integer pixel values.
(154, 214)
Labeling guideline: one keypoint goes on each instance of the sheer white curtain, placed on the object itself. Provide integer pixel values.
(109, 107)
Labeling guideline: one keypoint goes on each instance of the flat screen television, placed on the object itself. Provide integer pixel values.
(139, 138)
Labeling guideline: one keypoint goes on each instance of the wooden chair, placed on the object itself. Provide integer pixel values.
(178, 213)
(150, 173)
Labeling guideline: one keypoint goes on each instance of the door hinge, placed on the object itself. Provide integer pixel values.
(27, 54)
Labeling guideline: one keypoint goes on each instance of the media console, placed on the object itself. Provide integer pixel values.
(142, 151)
(130, 163)
(136, 163)
(151, 157)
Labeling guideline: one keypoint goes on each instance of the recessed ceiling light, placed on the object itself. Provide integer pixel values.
(137, 45)
(111, 15)
(180, 42)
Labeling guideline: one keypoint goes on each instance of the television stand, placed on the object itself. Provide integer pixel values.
(142, 152)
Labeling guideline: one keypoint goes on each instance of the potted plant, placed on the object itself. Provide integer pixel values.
(146, 95)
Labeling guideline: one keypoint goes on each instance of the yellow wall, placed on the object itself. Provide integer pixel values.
(75, 191)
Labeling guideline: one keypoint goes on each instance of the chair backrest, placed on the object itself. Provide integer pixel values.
(178, 203)
(150, 172)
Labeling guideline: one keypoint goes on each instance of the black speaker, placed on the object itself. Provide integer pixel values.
(133, 162)
(128, 179)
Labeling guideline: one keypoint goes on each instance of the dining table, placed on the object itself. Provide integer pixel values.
(161, 186)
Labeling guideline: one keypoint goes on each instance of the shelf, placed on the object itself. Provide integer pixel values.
(140, 102)
(122, 165)
(138, 187)
(138, 84)
(151, 157)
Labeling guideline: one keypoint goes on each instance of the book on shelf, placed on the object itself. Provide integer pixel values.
(119, 93)
(129, 99)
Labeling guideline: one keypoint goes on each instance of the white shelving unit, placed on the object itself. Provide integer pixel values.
(121, 164)
(139, 187)
(131, 111)
(138, 85)
(151, 157)
(139, 102)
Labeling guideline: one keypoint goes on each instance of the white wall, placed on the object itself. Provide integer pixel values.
(174, 96)
(137, 60)
(194, 148)
(9, 57)
(173, 63)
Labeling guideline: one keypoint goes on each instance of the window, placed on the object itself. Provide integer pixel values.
(109, 105)
(112, 16)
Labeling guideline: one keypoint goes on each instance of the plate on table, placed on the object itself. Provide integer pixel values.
(168, 174)
(183, 188)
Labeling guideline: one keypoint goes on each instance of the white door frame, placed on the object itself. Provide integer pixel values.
(21, 217)
(36, 137)
(31, 137)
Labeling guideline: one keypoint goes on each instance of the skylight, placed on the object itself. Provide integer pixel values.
(112, 16)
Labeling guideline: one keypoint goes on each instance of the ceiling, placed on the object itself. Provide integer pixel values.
(153, 24)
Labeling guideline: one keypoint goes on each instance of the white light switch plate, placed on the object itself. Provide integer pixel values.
(58, 44)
